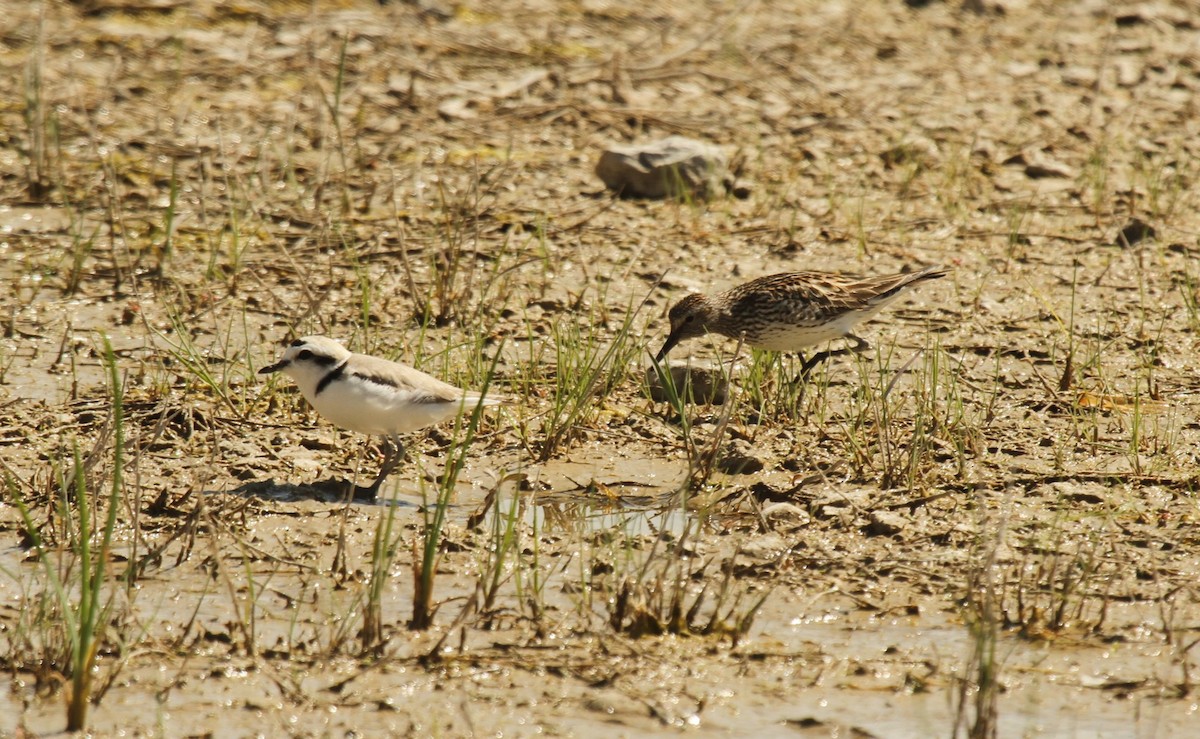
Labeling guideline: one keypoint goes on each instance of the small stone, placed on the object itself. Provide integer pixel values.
(764, 546)
(1048, 169)
(676, 167)
(1134, 231)
(785, 513)
(886, 523)
(707, 385)
(918, 151)
(1130, 72)
(739, 458)
(1040, 164)
(1078, 76)
(854, 499)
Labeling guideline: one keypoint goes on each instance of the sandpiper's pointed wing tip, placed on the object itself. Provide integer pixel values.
(932, 272)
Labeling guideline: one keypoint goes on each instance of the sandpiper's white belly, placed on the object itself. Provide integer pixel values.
(792, 337)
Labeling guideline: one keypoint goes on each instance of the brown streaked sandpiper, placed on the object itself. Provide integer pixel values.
(790, 311)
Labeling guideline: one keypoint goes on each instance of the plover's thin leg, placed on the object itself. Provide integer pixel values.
(393, 451)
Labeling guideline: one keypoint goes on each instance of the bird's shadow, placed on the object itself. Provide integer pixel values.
(333, 490)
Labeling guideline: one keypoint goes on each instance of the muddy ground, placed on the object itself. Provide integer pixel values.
(1013, 466)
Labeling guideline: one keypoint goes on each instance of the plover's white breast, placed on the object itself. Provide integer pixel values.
(370, 407)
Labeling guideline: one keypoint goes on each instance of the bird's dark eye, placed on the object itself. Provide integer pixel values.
(304, 354)
(689, 319)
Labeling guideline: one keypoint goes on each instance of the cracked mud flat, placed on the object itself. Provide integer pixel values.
(200, 183)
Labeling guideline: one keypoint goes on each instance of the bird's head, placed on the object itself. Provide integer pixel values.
(689, 318)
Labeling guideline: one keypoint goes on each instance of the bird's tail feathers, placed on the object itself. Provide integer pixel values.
(906, 280)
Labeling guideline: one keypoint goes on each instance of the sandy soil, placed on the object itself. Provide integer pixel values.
(1016, 460)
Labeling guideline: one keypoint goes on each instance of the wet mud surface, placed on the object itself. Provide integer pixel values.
(1014, 463)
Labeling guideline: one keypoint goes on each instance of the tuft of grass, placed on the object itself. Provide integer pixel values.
(977, 701)
(1095, 176)
(197, 363)
(82, 246)
(774, 391)
(170, 221)
(333, 106)
(501, 558)
(1062, 585)
(384, 546)
(427, 545)
(702, 458)
(442, 284)
(40, 128)
(660, 597)
(502, 561)
(80, 592)
(587, 369)
(874, 432)
(1165, 178)
(1017, 218)
(903, 422)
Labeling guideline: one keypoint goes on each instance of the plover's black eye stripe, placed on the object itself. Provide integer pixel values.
(307, 355)
(298, 342)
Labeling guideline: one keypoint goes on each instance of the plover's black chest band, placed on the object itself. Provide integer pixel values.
(329, 377)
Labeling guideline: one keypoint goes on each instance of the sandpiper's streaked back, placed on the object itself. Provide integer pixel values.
(370, 395)
(790, 311)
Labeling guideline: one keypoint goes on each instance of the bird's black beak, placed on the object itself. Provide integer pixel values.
(273, 367)
(667, 346)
